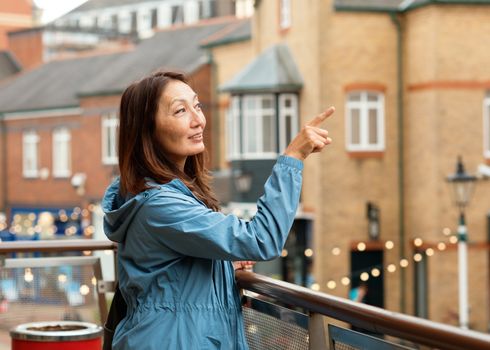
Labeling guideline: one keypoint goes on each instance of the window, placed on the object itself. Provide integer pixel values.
(30, 161)
(261, 126)
(109, 137)
(365, 121)
(61, 152)
(134, 22)
(284, 14)
(486, 126)
(154, 18)
(233, 124)
(177, 14)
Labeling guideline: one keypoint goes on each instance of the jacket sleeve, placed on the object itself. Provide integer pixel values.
(188, 227)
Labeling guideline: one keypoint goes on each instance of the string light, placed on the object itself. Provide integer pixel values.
(284, 253)
(84, 289)
(417, 257)
(375, 272)
(308, 252)
(336, 251)
(345, 281)
(28, 276)
(403, 262)
(441, 246)
(315, 286)
(94, 281)
(418, 242)
(361, 246)
(331, 284)
(446, 231)
(391, 268)
(62, 278)
(389, 245)
(364, 276)
(429, 252)
(453, 239)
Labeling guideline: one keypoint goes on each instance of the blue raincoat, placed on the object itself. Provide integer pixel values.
(174, 260)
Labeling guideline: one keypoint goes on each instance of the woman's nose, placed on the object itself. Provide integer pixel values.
(198, 118)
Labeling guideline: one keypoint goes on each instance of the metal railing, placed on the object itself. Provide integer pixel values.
(315, 306)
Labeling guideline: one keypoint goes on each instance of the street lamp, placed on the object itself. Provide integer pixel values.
(462, 184)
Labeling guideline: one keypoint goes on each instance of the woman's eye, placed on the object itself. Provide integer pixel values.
(180, 110)
(198, 107)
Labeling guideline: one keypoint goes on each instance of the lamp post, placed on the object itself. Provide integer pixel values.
(462, 184)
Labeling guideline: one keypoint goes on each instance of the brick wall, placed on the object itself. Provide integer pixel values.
(446, 77)
(14, 14)
(27, 46)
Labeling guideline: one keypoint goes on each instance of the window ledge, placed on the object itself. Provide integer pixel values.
(365, 154)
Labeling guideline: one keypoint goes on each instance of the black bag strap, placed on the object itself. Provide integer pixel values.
(117, 312)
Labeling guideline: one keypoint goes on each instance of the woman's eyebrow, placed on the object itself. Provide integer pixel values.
(181, 99)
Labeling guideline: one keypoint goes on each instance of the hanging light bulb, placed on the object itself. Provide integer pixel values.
(361, 246)
(389, 245)
(391, 268)
(418, 242)
(364, 276)
(375, 272)
(417, 257)
(404, 262)
(441, 246)
(429, 252)
(345, 281)
(331, 284)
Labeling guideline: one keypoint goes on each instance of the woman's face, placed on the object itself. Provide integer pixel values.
(180, 122)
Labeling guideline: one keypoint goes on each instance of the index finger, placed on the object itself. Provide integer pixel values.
(321, 117)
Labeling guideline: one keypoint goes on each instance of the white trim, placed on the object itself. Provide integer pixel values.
(48, 113)
(291, 111)
(61, 148)
(30, 142)
(110, 123)
(233, 129)
(486, 127)
(363, 106)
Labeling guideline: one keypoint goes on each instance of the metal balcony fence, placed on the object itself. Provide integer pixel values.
(278, 315)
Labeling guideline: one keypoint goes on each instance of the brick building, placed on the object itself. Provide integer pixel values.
(60, 123)
(410, 81)
(14, 15)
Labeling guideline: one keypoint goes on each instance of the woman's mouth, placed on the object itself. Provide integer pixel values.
(196, 137)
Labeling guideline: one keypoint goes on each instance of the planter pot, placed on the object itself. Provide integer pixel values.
(57, 335)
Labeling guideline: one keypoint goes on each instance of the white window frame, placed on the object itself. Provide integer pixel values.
(110, 123)
(257, 114)
(285, 14)
(486, 127)
(233, 129)
(283, 112)
(30, 152)
(364, 106)
(61, 152)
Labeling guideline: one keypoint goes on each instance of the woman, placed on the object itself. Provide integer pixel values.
(175, 248)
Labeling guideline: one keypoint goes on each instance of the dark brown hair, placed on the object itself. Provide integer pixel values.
(140, 153)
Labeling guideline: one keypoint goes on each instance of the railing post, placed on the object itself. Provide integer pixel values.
(316, 329)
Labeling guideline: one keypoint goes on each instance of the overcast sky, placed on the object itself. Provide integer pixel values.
(55, 8)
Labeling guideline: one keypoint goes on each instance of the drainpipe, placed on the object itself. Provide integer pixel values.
(401, 191)
(3, 136)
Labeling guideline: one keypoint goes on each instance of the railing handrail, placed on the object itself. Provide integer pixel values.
(55, 246)
(371, 318)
